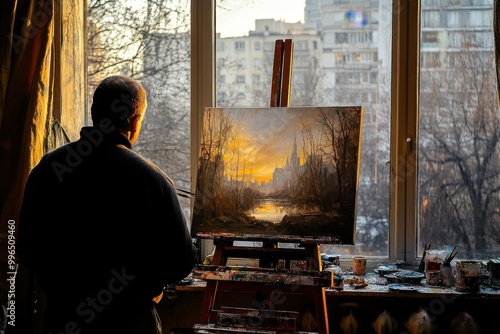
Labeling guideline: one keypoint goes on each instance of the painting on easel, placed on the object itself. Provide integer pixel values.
(289, 171)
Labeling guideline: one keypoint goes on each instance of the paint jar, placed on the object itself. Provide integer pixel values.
(433, 277)
(359, 265)
(468, 276)
(447, 276)
(433, 260)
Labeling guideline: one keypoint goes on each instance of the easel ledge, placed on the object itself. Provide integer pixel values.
(270, 238)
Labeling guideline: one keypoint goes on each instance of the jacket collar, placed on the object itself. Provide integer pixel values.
(98, 136)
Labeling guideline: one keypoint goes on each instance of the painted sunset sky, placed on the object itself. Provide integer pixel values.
(265, 139)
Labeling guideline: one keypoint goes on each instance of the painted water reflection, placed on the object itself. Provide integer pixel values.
(274, 210)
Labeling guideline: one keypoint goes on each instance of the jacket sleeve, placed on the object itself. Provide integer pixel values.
(177, 240)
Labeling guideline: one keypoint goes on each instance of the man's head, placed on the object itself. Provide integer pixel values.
(119, 101)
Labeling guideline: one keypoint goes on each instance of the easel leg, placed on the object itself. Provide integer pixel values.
(208, 301)
(321, 311)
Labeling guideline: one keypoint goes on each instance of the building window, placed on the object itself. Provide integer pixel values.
(341, 37)
(239, 46)
(256, 46)
(220, 46)
(300, 45)
(240, 79)
(241, 63)
(268, 46)
(430, 37)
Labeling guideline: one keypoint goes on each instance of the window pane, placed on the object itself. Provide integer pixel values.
(342, 56)
(150, 42)
(459, 166)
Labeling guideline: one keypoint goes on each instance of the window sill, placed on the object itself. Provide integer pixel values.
(381, 290)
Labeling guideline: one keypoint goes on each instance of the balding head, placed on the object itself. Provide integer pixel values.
(117, 100)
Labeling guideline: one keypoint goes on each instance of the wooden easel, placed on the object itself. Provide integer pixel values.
(281, 80)
(263, 279)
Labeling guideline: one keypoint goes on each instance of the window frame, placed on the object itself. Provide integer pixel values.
(404, 113)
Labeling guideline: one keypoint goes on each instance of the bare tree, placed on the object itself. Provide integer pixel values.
(459, 164)
(149, 41)
(307, 89)
(216, 130)
(315, 182)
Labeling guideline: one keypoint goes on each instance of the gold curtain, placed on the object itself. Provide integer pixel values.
(27, 89)
(42, 101)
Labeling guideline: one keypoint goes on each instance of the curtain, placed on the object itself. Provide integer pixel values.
(42, 101)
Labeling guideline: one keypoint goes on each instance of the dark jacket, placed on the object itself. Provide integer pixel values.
(103, 230)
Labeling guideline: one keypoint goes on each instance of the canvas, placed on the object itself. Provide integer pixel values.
(279, 172)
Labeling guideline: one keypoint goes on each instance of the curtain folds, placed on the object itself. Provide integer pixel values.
(27, 93)
(42, 90)
(26, 105)
(42, 101)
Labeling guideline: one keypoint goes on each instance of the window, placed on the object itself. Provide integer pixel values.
(257, 63)
(220, 46)
(300, 45)
(340, 58)
(432, 18)
(239, 46)
(341, 37)
(429, 200)
(458, 166)
(412, 190)
(331, 74)
(430, 37)
(155, 50)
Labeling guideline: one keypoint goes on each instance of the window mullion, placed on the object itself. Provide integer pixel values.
(202, 82)
(402, 237)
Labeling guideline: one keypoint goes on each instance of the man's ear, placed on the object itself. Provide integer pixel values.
(134, 122)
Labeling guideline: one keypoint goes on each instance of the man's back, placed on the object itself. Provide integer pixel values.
(103, 230)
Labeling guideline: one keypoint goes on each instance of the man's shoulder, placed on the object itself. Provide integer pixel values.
(64, 151)
(152, 169)
(137, 164)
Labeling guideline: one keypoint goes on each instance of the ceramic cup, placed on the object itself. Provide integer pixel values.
(359, 265)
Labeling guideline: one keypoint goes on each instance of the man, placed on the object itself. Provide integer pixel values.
(101, 227)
